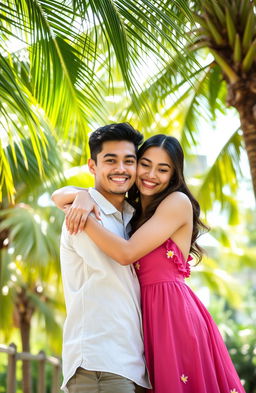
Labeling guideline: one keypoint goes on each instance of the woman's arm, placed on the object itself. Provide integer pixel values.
(77, 203)
(65, 196)
(174, 212)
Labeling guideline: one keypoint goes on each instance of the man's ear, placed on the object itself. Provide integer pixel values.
(92, 166)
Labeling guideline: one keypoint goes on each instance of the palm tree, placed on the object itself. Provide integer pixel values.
(223, 69)
(29, 256)
(54, 80)
(228, 30)
(30, 284)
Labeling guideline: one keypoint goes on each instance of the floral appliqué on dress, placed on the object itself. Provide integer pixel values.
(137, 266)
(184, 378)
(169, 253)
(177, 258)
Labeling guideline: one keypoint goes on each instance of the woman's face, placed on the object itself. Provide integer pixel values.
(154, 171)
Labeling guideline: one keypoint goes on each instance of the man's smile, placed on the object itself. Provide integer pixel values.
(119, 179)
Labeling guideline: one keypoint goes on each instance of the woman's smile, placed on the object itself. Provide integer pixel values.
(149, 184)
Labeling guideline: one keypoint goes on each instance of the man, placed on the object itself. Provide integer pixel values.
(102, 341)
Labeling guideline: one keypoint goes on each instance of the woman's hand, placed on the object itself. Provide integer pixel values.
(78, 212)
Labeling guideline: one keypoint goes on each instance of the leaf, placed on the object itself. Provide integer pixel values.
(223, 173)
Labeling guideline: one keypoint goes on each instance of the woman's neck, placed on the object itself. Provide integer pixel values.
(145, 202)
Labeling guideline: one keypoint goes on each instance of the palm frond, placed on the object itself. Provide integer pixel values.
(219, 281)
(29, 234)
(224, 173)
(63, 45)
(21, 165)
(47, 311)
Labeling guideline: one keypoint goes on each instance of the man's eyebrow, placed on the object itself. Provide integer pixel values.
(115, 155)
(109, 155)
(161, 163)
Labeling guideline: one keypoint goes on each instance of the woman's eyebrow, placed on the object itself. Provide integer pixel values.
(146, 159)
(164, 164)
(161, 163)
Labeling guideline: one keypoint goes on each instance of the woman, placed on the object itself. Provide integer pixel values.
(183, 347)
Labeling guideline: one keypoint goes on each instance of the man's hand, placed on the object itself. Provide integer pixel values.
(78, 212)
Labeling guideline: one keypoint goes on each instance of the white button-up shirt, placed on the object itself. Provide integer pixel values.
(102, 331)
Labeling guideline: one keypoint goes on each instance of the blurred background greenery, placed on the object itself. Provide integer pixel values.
(183, 68)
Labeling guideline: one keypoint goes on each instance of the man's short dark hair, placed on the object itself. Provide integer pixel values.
(113, 132)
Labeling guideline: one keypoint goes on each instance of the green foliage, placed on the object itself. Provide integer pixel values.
(25, 171)
(239, 332)
(30, 258)
(224, 172)
(243, 351)
(3, 376)
(211, 275)
(67, 55)
(30, 235)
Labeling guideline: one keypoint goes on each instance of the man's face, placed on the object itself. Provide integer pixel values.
(115, 170)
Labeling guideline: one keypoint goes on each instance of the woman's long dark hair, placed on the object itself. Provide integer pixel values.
(177, 183)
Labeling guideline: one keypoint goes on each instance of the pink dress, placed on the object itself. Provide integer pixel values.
(184, 350)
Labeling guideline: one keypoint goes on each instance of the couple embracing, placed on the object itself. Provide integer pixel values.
(133, 325)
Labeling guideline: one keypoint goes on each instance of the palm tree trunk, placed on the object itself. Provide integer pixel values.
(242, 95)
(249, 132)
(24, 311)
(3, 236)
(26, 366)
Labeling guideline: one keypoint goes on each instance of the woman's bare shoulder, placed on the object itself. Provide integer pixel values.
(176, 201)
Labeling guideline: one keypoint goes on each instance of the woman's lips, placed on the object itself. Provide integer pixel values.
(148, 184)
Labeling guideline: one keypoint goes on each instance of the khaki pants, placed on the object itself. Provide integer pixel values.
(85, 381)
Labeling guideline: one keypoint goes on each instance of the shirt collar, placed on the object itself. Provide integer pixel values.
(108, 208)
